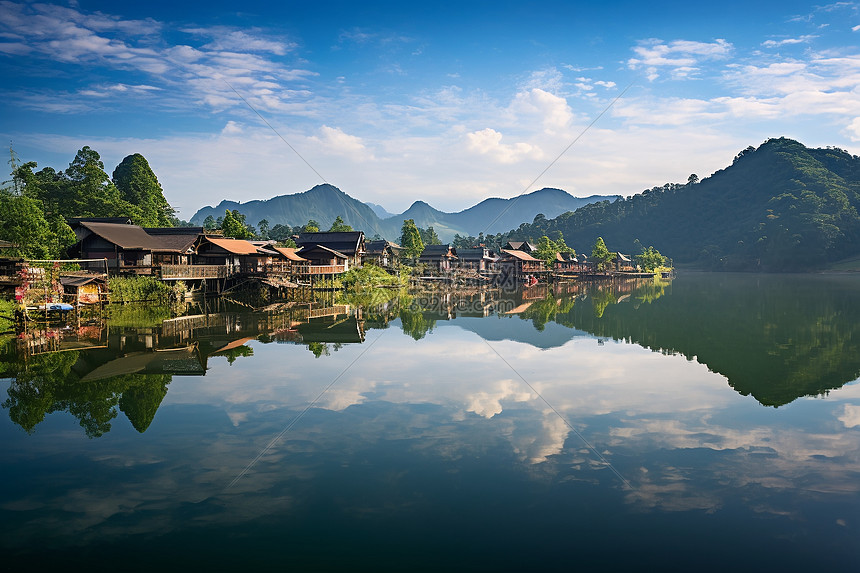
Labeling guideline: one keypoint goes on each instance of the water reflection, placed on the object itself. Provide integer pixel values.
(773, 338)
(446, 420)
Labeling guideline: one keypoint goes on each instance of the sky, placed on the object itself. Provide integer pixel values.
(445, 102)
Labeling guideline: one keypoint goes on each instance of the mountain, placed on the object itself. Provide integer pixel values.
(324, 203)
(379, 210)
(780, 207)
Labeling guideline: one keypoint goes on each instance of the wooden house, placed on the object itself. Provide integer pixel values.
(237, 255)
(83, 288)
(130, 248)
(292, 262)
(350, 243)
(439, 258)
(323, 260)
(382, 253)
(523, 246)
(477, 258)
(623, 263)
(518, 264)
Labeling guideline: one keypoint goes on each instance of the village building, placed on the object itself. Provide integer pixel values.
(382, 253)
(323, 260)
(523, 246)
(441, 258)
(517, 264)
(478, 258)
(84, 288)
(237, 255)
(623, 263)
(132, 249)
(348, 243)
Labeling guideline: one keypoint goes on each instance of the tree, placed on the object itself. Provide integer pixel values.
(234, 225)
(23, 222)
(91, 192)
(138, 185)
(692, 179)
(311, 227)
(263, 229)
(650, 259)
(209, 223)
(547, 249)
(410, 240)
(339, 226)
(600, 254)
(429, 236)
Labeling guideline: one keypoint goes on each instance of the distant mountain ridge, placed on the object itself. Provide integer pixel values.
(780, 207)
(325, 202)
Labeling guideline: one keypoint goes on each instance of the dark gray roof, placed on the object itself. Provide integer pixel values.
(134, 237)
(348, 242)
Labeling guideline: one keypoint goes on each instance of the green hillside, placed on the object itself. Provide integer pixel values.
(780, 207)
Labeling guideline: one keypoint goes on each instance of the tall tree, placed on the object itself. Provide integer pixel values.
(93, 194)
(234, 226)
(138, 185)
(339, 226)
(410, 240)
(600, 254)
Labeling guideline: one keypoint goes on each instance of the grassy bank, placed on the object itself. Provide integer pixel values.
(144, 289)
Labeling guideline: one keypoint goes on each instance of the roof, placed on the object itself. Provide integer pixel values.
(77, 281)
(519, 246)
(122, 235)
(290, 253)
(72, 221)
(163, 239)
(379, 246)
(312, 248)
(347, 242)
(235, 246)
(520, 255)
(473, 254)
(624, 258)
(436, 251)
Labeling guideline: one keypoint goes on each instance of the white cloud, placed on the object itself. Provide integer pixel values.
(681, 57)
(850, 416)
(788, 41)
(336, 142)
(489, 142)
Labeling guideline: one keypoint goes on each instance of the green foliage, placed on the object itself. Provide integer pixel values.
(139, 289)
(370, 276)
(23, 222)
(139, 186)
(429, 236)
(311, 227)
(650, 259)
(410, 240)
(600, 254)
(780, 207)
(263, 230)
(7, 314)
(233, 226)
(547, 249)
(338, 226)
(209, 223)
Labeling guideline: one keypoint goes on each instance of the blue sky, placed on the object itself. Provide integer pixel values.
(448, 102)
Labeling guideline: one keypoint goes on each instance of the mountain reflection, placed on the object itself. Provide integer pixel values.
(776, 338)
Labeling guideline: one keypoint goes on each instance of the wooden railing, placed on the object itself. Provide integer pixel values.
(182, 272)
(321, 270)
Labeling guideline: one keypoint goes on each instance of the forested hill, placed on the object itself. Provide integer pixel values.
(324, 203)
(781, 207)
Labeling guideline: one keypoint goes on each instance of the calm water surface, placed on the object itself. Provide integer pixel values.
(712, 423)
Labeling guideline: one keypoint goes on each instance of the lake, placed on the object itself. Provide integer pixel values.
(707, 423)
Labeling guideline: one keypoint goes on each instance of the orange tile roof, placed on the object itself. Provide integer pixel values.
(235, 246)
(520, 255)
(290, 253)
